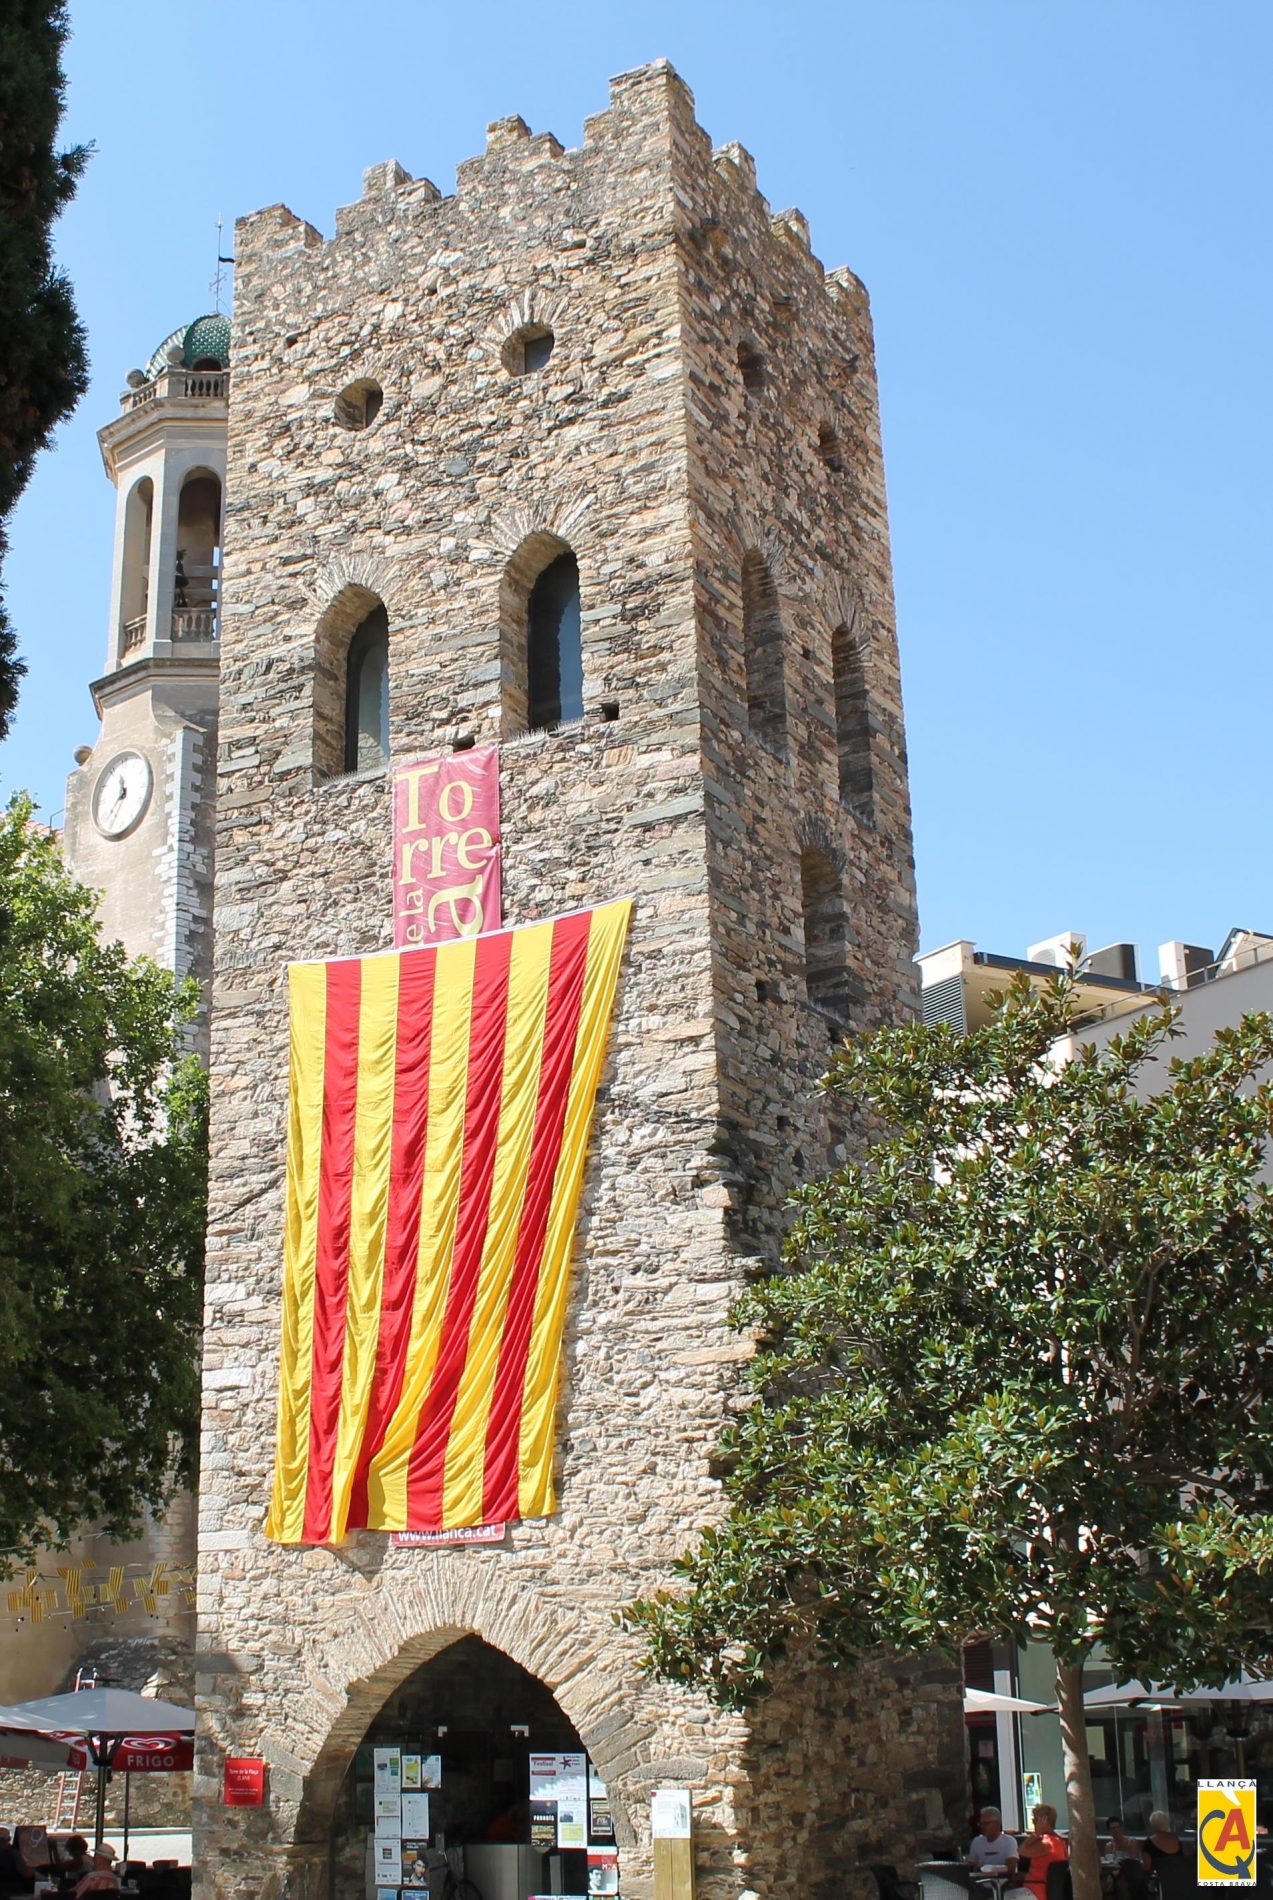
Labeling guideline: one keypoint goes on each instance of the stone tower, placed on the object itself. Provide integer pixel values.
(139, 808)
(617, 354)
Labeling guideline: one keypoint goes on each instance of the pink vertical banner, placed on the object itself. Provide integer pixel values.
(446, 847)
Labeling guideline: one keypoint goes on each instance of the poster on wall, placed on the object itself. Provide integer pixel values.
(431, 1771)
(388, 1827)
(415, 1813)
(446, 847)
(603, 1870)
(410, 1772)
(543, 1825)
(600, 1815)
(415, 1863)
(559, 1777)
(387, 1861)
(572, 1824)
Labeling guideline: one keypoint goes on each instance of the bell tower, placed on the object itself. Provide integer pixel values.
(138, 808)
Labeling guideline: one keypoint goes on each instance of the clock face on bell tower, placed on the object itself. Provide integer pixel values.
(122, 794)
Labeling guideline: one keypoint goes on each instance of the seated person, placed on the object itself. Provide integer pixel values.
(101, 1877)
(1127, 1879)
(17, 1875)
(73, 1860)
(992, 1849)
(1164, 1855)
(1043, 1845)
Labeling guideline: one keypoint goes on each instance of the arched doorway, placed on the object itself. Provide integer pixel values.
(485, 1780)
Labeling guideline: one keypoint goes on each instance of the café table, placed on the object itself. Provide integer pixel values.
(955, 1880)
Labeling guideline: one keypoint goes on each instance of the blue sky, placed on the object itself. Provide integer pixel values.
(1060, 208)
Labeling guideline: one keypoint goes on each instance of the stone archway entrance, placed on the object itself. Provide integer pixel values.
(484, 1778)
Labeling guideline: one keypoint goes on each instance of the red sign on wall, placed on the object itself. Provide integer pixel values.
(244, 1785)
(446, 847)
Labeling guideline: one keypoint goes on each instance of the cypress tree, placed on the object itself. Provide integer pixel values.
(43, 362)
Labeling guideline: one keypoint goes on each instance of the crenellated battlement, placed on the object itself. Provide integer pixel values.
(648, 134)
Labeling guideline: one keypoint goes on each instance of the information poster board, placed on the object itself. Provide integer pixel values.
(387, 1780)
(670, 1814)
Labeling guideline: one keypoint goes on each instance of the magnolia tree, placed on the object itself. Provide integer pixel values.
(103, 1170)
(1017, 1381)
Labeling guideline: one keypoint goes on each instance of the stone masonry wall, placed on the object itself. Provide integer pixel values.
(469, 479)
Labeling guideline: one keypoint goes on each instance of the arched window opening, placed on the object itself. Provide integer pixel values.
(762, 649)
(139, 512)
(367, 695)
(197, 572)
(852, 722)
(207, 363)
(482, 1752)
(751, 367)
(826, 937)
(554, 649)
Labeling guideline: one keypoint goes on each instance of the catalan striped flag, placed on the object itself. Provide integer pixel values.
(440, 1106)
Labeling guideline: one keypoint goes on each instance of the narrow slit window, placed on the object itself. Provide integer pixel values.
(554, 646)
(852, 722)
(367, 695)
(763, 658)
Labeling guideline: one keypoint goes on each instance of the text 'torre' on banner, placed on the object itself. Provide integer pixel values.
(446, 847)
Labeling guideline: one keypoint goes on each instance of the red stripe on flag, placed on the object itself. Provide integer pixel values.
(567, 967)
(406, 1189)
(426, 1471)
(331, 1274)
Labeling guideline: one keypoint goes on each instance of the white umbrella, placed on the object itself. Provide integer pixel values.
(108, 1720)
(1161, 1695)
(983, 1702)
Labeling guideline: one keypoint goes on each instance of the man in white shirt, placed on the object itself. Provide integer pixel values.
(992, 1850)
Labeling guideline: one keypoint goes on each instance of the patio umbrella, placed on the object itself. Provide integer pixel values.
(111, 1728)
(983, 1702)
(1161, 1695)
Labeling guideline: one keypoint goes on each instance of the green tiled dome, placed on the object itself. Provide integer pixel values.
(207, 338)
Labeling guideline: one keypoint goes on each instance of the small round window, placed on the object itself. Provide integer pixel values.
(358, 406)
(527, 349)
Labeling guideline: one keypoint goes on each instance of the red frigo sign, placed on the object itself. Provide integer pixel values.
(446, 847)
(244, 1785)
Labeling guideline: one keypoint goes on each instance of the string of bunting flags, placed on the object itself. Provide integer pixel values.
(81, 1590)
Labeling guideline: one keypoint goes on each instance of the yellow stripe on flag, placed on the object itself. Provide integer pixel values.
(308, 990)
(369, 1210)
(523, 1050)
(607, 935)
(443, 1153)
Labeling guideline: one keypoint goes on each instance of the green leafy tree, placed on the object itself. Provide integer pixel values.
(1019, 1381)
(103, 1169)
(43, 365)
